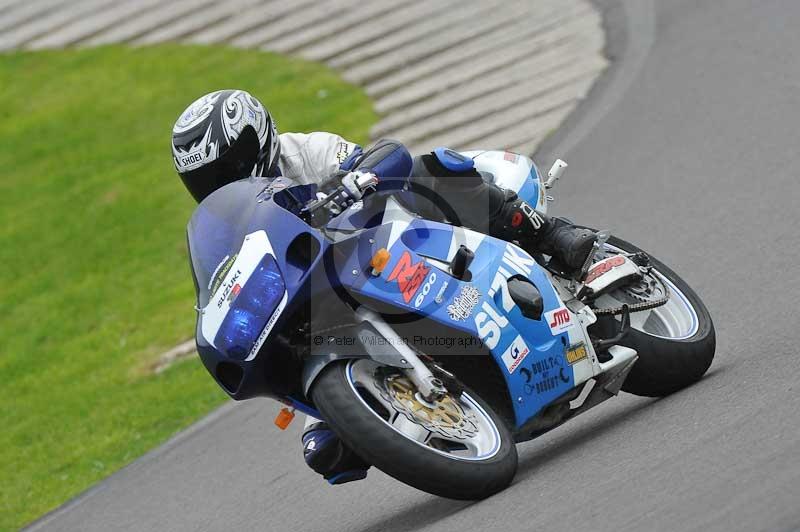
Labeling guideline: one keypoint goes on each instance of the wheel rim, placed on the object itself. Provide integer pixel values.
(675, 320)
(457, 428)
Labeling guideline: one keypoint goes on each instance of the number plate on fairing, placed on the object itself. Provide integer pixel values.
(610, 273)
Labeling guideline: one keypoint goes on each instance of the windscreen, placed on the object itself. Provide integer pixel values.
(217, 230)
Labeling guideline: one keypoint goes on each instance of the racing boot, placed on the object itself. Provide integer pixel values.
(569, 246)
(326, 454)
(461, 195)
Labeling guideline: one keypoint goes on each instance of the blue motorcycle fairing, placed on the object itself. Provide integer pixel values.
(217, 228)
(530, 357)
(220, 232)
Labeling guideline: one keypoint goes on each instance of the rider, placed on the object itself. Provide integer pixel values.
(228, 135)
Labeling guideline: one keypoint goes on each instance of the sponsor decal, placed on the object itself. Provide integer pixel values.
(191, 160)
(559, 320)
(542, 366)
(525, 210)
(463, 304)
(536, 219)
(490, 325)
(544, 375)
(342, 152)
(227, 288)
(200, 152)
(266, 330)
(603, 268)
(515, 261)
(511, 157)
(576, 353)
(262, 337)
(515, 354)
(426, 288)
(220, 273)
(546, 384)
(409, 276)
(489, 322)
(234, 292)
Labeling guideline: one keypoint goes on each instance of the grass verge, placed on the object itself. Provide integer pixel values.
(94, 282)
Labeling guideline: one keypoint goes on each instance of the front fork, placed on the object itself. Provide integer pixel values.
(430, 388)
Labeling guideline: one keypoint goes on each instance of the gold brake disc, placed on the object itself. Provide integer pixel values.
(445, 416)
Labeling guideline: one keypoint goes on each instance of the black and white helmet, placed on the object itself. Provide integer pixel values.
(222, 137)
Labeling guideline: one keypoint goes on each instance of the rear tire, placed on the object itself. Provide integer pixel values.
(377, 442)
(667, 365)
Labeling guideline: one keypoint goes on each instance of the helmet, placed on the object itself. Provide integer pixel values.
(222, 137)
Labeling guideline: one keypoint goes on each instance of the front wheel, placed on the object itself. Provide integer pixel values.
(456, 447)
(675, 341)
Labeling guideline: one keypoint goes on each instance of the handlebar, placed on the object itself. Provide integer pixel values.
(349, 188)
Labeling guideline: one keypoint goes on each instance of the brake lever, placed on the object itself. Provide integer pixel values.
(362, 182)
(367, 180)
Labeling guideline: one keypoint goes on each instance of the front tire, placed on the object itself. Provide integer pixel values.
(671, 357)
(368, 423)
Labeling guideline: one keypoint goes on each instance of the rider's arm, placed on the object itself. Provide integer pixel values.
(314, 157)
(319, 155)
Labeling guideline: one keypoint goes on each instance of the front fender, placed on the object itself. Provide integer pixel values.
(356, 341)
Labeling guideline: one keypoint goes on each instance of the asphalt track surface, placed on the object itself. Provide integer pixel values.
(687, 147)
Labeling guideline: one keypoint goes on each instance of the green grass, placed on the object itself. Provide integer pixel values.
(94, 278)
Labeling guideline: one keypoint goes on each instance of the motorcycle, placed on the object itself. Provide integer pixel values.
(430, 349)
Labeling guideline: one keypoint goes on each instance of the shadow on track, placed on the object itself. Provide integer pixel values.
(436, 509)
(576, 438)
(599, 426)
(417, 517)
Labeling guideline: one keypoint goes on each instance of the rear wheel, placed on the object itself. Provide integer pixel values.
(456, 447)
(675, 341)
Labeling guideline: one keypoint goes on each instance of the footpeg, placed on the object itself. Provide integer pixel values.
(602, 238)
(624, 328)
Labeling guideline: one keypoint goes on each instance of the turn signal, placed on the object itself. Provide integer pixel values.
(285, 416)
(379, 261)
